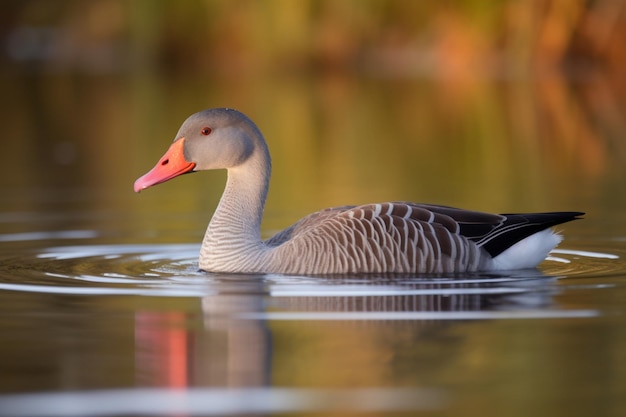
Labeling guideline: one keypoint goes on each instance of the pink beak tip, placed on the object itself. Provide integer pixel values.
(139, 185)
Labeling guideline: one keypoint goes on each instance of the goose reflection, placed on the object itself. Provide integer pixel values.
(236, 341)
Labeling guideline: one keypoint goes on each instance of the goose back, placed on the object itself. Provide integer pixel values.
(401, 237)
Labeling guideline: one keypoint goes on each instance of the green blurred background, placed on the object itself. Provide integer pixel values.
(499, 106)
(511, 105)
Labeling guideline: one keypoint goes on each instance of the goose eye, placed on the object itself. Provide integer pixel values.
(206, 131)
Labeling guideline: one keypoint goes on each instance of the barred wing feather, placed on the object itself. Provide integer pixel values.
(403, 237)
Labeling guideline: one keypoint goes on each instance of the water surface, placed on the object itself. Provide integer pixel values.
(94, 325)
(104, 311)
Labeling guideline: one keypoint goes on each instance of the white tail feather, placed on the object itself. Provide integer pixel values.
(528, 252)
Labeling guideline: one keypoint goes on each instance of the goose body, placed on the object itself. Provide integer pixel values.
(391, 237)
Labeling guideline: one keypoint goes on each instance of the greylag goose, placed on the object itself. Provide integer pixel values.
(393, 237)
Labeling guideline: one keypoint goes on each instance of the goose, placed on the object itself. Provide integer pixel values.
(392, 237)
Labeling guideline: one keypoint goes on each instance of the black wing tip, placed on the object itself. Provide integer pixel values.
(566, 216)
(577, 215)
(549, 217)
(568, 213)
(519, 226)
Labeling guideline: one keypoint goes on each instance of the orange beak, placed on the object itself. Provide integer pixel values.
(171, 165)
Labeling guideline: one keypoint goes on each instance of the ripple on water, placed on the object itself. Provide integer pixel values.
(101, 269)
(171, 270)
(220, 402)
(584, 263)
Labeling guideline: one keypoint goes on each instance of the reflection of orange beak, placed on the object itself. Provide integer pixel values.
(171, 165)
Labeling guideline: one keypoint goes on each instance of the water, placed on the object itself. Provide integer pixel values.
(103, 311)
(97, 323)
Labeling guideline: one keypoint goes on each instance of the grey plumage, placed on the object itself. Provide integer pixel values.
(397, 237)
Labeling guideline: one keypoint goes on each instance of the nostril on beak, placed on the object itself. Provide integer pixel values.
(165, 162)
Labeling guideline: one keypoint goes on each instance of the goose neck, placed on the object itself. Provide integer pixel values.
(240, 209)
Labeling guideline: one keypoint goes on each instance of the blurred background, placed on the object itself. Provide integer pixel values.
(502, 106)
(498, 106)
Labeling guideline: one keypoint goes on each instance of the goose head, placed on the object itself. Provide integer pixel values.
(210, 139)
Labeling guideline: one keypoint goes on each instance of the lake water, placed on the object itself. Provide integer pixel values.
(103, 310)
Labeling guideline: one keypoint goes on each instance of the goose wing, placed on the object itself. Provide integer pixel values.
(386, 237)
(406, 237)
(497, 232)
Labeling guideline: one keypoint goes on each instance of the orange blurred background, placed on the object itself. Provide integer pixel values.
(512, 105)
